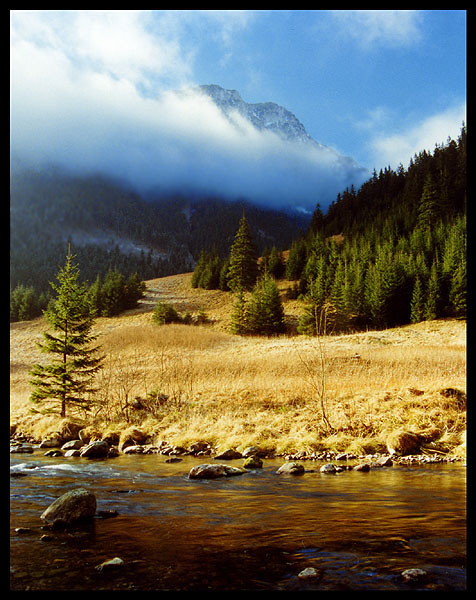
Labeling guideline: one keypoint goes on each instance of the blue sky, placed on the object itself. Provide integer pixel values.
(92, 89)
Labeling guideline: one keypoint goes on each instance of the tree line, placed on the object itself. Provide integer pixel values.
(391, 253)
(106, 297)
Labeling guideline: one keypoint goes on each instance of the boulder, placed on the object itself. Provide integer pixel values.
(73, 506)
(97, 449)
(291, 468)
(213, 471)
(328, 468)
(207, 471)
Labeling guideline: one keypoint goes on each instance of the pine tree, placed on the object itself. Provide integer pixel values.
(74, 363)
(243, 269)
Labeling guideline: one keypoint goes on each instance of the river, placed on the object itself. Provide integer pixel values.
(255, 531)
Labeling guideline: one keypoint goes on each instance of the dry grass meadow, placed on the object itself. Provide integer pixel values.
(287, 394)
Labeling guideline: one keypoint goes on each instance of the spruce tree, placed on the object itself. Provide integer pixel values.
(74, 363)
(239, 317)
(265, 309)
(433, 295)
(243, 268)
(417, 303)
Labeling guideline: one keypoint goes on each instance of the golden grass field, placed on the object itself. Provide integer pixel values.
(288, 394)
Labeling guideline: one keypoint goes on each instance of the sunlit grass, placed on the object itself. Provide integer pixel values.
(284, 393)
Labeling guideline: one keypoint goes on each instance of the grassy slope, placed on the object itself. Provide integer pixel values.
(272, 392)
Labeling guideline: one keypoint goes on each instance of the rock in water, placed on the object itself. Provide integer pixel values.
(72, 506)
(97, 449)
(291, 468)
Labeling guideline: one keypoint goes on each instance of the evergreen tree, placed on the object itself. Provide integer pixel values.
(74, 363)
(265, 310)
(417, 303)
(113, 293)
(243, 268)
(457, 295)
(239, 317)
(275, 264)
(429, 206)
(433, 295)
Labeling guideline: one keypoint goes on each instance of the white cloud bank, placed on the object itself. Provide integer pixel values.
(90, 91)
(399, 148)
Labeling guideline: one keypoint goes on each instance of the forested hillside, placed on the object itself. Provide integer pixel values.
(392, 252)
(112, 227)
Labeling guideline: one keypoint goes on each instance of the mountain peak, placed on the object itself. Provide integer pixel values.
(262, 115)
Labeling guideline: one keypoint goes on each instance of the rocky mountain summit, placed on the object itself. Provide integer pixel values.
(273, 117)
(262, 115)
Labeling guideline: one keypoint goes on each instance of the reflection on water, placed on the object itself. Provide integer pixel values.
(253, 531)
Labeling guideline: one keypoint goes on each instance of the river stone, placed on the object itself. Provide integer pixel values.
(72, 452)
(253, 451)
(385, 461)
(97, 449)
(291, 468)
(328, 468)
(362, 467)
(72, 445)
(414, 575)
(207, 471)
(309, 573)
(213, 471)
(133, 450)
(253, 462)
(72, 506)
(229, 454)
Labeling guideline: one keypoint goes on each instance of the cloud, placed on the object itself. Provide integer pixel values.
(91, 92)
(369, 28)
(399, 148)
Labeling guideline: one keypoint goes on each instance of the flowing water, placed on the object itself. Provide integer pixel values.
(255, 531)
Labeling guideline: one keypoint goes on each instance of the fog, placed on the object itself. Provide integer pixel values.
(89, 120)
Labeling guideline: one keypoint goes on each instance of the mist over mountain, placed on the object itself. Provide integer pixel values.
(205, 141)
